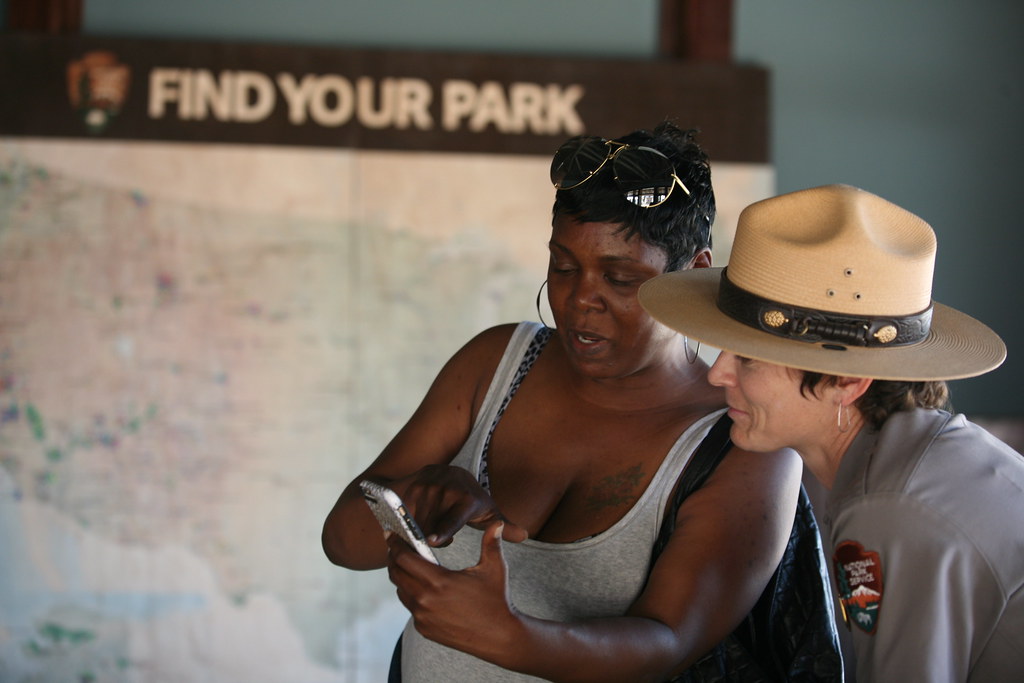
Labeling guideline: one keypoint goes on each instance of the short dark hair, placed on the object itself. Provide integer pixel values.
(681, 226)
(885, 397)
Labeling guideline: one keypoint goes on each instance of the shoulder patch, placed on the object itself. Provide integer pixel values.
(859, 575)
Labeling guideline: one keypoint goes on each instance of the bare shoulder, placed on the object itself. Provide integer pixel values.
(479, 357)
(771, 470)
(747, 491)
(491, 341)
(464, 379)
(729, 537)
(445, 416)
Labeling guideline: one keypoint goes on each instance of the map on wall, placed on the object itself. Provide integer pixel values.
(200, 345)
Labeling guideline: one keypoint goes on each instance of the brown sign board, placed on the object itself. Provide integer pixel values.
(127, 89)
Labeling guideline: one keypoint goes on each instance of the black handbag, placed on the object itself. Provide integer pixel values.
(790, 634)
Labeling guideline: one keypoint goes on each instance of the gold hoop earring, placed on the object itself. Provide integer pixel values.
(539, 316)
(839, 419)
(691, 359)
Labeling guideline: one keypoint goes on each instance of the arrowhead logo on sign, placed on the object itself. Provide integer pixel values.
(859, 574)
(97, 87)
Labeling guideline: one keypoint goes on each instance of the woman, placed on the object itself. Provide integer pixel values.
(831, 345)
(575, 471)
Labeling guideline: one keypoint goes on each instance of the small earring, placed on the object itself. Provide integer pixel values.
(539, 291)
(691, 357)
(839, 420)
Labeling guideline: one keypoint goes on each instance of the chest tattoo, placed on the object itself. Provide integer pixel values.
(616, 490)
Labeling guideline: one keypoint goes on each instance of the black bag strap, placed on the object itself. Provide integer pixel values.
(766, 645)
(705, 459)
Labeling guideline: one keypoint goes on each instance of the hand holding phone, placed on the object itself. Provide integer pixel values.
(390, 512)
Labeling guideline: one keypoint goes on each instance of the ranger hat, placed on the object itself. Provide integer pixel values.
(831, 279)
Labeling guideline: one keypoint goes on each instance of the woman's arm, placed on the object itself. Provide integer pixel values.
(414, 463)
(730, 536)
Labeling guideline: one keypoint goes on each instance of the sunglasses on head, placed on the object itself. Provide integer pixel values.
(645, 175)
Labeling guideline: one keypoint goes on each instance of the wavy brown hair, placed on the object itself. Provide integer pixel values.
(885, 397)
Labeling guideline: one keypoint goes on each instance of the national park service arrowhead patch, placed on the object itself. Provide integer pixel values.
(859, 575)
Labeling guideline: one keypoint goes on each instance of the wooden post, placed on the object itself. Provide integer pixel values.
(56, 17)
(696, 30)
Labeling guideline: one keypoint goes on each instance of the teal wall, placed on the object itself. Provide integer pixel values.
(579, 27)
(920, 101)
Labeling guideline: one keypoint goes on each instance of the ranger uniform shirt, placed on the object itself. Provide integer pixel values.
(927, 535)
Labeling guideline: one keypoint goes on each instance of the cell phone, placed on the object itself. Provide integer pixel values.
(390, 512)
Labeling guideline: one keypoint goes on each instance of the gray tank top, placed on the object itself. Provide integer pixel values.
(598, 576)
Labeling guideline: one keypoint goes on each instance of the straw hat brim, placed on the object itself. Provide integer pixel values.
(957, 346)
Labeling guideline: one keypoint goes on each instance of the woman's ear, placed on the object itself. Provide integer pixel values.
(852, 388)
(702, 259)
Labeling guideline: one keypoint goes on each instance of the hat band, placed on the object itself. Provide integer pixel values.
(834, 330)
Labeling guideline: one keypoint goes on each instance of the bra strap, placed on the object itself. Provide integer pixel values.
(529, 358)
